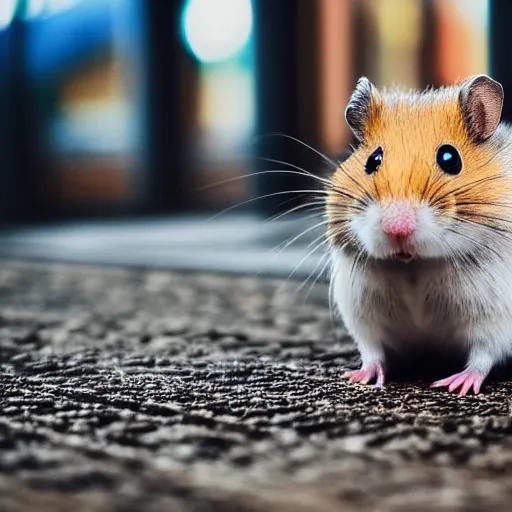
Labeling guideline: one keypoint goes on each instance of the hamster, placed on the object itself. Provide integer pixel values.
(419, 223)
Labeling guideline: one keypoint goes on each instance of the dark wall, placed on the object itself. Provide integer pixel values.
(500, 34)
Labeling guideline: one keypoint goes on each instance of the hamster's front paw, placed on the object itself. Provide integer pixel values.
(366, 374)
(465, 380)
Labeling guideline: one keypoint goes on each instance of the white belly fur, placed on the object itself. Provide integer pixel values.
(424, 304)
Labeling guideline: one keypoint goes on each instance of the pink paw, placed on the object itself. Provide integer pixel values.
(467, 379)
(367, 374)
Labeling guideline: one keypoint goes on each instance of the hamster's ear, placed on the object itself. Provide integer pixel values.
(481, 101)
(359, 108)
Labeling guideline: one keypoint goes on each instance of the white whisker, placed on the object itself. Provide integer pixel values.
(273, 194)
(302, 233)
(319, 153)
(325, 181)
(318, 206)
(323, 263)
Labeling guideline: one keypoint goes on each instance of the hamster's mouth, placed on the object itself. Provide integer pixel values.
(403, 256)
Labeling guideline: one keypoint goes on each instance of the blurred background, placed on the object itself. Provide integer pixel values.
(127, 126)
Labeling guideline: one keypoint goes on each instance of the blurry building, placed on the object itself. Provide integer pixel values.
(85, 62)
(115, 108)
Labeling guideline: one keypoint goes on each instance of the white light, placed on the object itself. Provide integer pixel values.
(35, 8)
(55, 6)
(7, 8)
(40, 8)
(217, 30)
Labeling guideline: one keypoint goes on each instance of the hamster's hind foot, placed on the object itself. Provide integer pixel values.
(465, 380)
(367, 374)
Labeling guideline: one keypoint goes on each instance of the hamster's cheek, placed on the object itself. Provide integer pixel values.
(367, 228)
(433, 237)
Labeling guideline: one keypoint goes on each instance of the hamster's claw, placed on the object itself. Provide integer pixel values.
(367, 374)
(465, 380)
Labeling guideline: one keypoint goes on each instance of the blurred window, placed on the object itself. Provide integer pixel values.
(86, 67)
(75, 59)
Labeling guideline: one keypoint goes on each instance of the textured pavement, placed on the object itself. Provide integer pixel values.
(126, 390)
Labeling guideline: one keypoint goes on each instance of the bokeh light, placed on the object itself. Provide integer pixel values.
(7, 9)
(217, 30)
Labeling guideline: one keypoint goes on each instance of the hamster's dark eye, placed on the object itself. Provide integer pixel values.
(374, 161)
(448, 159)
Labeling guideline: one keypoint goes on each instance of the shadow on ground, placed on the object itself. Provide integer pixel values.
(156, 391)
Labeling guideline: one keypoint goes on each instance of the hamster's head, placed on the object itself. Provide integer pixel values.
(427, 179)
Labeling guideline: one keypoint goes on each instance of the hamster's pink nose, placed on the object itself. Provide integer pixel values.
(399, 219)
